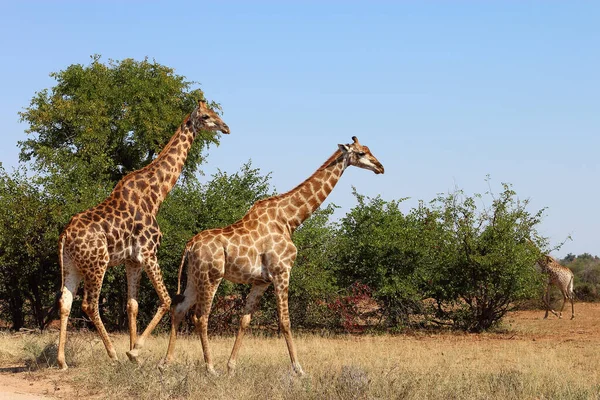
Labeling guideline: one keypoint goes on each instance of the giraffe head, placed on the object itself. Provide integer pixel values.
(544, 261)
(205, 119)
(360, 156)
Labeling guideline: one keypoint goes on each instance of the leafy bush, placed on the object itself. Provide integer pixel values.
(487, 262)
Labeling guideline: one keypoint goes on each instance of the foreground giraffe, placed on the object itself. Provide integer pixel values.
(561, 277)
(258, 249)
(123, 229)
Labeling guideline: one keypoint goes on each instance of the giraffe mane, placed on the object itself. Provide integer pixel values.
(330, 161)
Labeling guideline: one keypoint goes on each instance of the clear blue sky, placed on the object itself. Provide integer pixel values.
(443, 92)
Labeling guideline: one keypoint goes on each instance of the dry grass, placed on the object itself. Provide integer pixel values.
(529, 358)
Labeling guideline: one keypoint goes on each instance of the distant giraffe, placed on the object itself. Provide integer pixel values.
(123, 229)
(560, 276)
(258, 249)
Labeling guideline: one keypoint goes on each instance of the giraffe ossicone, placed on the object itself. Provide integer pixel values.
(123, 229)
(258, 250)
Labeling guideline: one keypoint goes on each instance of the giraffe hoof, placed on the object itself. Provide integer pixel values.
(163, 365)
(210, 371)
(298, 370)
(230, 371)
(133, 356)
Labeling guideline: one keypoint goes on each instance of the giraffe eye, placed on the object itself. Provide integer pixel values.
(361, 153)
(205, 117)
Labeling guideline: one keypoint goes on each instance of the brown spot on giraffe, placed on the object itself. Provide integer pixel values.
(258, 250)
(105, 236)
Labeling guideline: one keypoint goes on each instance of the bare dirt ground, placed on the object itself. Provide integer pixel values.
(519, 328)
(17, 383)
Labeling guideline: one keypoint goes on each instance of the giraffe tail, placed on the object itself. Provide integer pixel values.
(570, 288)
(48, 318)
(61, 246)
(179, 297)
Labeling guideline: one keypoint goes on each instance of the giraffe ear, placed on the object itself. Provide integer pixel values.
(343, 148)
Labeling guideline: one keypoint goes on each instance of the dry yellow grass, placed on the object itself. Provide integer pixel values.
(529, 358)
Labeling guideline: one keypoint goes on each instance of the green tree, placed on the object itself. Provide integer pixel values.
(486, 260)
(313, 283)
(227, 198)
(375, 246)
(109, 119)
(28, 226)
(448, 262)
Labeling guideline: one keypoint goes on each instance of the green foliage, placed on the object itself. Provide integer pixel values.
(313, 281)
(102, 121)
(376, 247)
(226, 198)
(469, 264)
(28, 242)
(493, 260)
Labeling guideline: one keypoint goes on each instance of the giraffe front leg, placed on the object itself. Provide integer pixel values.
(563, 306)
(281, 283)
(546, 300)
(155, 275)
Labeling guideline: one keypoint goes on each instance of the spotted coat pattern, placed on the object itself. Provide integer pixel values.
(258, 250)
(562, 278)
(123, 229)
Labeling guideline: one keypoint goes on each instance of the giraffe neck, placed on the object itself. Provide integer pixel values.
(299, 203)
(153, 182)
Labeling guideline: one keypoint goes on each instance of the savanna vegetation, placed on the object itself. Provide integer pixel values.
(459, 260)
(527, 358)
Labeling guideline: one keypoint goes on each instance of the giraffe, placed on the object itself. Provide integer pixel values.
(123, 230)
(258, 249)
(560, 276)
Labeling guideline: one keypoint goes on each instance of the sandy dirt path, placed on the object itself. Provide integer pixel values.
(16, 383)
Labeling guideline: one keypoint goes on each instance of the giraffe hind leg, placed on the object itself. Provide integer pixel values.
(181, 305)
(572, 307)
(563, 306)
(134, 274)
(72, 279)
(571, 297)
(205, 298)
